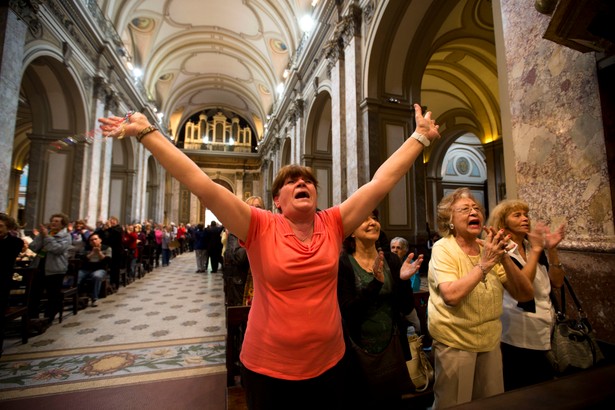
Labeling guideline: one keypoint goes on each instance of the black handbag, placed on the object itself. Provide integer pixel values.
(573, 343)
(385, 373)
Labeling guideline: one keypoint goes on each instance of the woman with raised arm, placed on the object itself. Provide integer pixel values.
(293, 343)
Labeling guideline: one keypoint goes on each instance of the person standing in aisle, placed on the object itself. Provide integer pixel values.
(52, 245)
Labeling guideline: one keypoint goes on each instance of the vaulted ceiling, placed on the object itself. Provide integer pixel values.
(196, 55)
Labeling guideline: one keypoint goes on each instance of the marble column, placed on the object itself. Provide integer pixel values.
(357, 162)
(338, 125)
(557, 140)
(13, 192)
(239, 185)
(495, 172)
(12, 39)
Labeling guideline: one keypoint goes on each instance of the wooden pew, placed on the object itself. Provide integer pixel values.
(236, 322)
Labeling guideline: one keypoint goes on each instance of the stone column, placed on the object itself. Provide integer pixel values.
(13, 192)
(34, 195)
(557, 143)
(557, 136)
(338, 126)
(357, 162)
(494, 156)
(239, 185)
(296, 119)
(12, 39)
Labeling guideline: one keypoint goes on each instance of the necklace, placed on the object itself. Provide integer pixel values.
(306, 237)
(480, 266)
(361, 262)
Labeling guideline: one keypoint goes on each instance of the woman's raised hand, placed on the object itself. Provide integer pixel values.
(119, 127)
(409, 268)
(552, 239)
(537, 236)
(424, 124)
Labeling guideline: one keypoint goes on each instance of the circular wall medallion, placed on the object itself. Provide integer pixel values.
(278, 46)
(463, 165)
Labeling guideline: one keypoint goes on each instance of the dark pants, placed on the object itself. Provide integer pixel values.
(215, 257)
(524, 367)
(326, 391)
(157, 255)
(53, 286)
(166, 257)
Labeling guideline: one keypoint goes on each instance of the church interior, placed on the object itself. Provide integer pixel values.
(523, 92)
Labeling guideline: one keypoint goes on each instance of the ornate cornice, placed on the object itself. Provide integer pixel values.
(27, 10)
(368, 12)
(333, 52)
(351, 24)
(67, 19)
(296, 111)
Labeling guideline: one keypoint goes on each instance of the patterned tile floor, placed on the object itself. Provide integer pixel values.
(169, 324)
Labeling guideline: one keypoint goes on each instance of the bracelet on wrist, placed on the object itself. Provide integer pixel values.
(484, 271)
(421, 138)
(557, 265)
(146, 131)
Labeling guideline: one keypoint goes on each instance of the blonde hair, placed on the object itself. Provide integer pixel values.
(497, 219)
(250, 201)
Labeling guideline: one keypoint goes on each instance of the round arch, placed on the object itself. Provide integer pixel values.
(50, 136)
(286, 151)
(318, 148)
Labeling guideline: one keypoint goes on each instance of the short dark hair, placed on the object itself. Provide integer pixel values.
(9, 221)
(292, 171)
(62, 216)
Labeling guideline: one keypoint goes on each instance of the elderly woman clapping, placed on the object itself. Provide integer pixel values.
(467, 277)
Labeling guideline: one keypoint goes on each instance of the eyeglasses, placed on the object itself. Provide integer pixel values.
(466, 210)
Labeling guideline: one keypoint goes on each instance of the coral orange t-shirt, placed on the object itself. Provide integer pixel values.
(294, 328)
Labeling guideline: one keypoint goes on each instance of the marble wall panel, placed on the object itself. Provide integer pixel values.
(558, 137)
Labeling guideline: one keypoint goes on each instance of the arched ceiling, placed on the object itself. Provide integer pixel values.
(197, 54)
(450, 62)
(461, 74)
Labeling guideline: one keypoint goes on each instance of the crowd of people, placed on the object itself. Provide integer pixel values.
(105, 257)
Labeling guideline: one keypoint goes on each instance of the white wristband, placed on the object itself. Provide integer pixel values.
(421, 138)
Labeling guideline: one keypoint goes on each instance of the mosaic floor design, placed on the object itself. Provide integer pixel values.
(29, 375)
(169, 324)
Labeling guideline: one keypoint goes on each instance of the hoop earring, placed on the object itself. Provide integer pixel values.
(452, 227)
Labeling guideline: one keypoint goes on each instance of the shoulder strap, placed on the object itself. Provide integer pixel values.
(560, 311)
(529, 306)
(574, 297)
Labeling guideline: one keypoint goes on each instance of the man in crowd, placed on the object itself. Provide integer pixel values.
(94, 265)
(399, 246)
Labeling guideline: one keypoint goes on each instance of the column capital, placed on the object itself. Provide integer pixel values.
(27, 11)
(351, 24)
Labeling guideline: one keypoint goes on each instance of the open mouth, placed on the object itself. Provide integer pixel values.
(474, 223)
(301, 195)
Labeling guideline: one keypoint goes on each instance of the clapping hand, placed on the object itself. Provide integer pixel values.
(552, 239)
(537, 236)
(409, 268)
(378, 267)
(494, 246)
